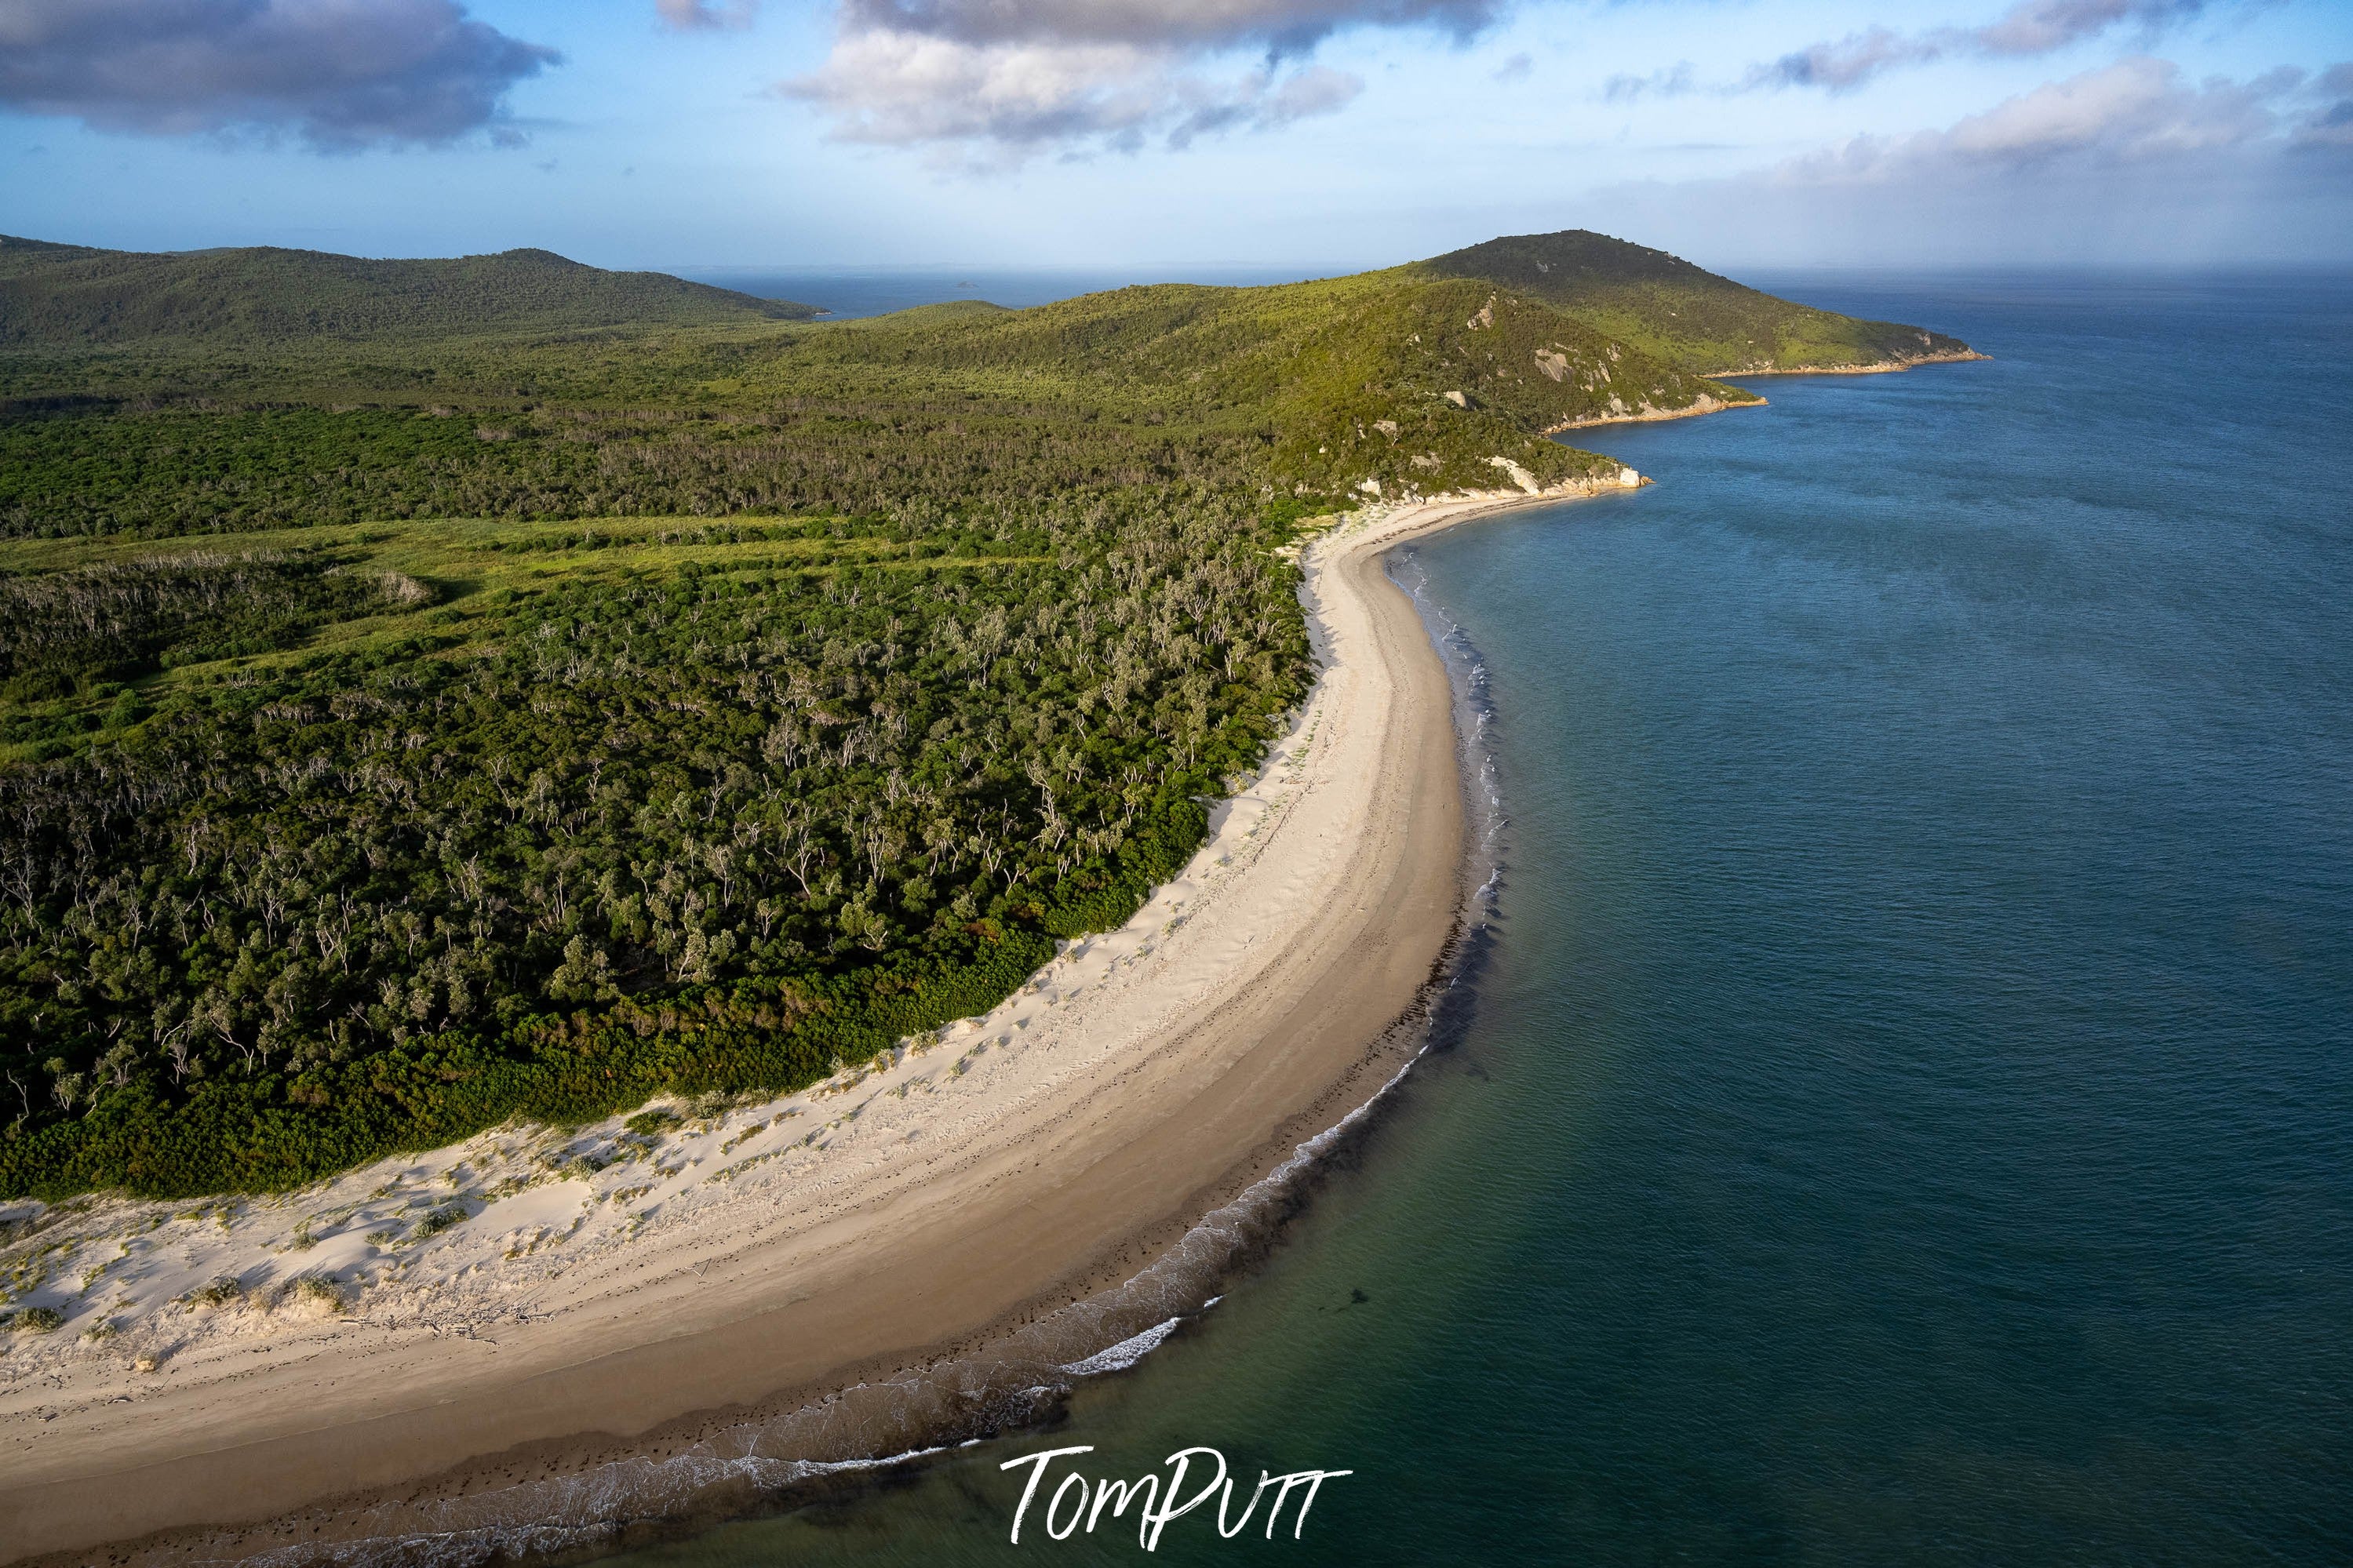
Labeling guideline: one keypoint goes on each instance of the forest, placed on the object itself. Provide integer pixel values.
(660, 811)
(407, 728)
(75, 296)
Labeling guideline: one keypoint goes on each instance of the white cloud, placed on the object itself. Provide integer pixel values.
(2028, 28)
(2041, 26)
(1282, 26)
(904, 89)
(1004, 78)
(2131, 161)
(2135, 110)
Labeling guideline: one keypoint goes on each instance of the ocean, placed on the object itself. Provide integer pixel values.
(1899, 1109)
(846, 293)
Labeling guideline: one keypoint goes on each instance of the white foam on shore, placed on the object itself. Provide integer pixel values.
(1126, 1353)
(571, 1513)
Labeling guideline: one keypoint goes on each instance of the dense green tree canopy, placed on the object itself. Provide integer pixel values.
(677, 815)
(450, 705)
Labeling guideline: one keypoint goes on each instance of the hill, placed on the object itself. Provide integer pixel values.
(68, 295)
(1685, 315)
(418, 709)
(1388, 382)
(1398, 381)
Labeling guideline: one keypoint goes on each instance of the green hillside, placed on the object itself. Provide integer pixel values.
(433, 692)
(1408, 382)
(66, 296)
(1682, 314)
(1412, 383)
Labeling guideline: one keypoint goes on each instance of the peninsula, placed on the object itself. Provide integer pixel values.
(582, 851)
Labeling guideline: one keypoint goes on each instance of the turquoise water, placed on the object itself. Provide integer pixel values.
(1904, 1112)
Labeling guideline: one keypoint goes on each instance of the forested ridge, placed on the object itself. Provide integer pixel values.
(400, 733)
(73, 295)
(1682, 314)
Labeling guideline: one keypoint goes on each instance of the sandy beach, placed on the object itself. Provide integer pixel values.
(610, 1294)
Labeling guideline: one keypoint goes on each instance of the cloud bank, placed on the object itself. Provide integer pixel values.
(340, 74)
(2136, 111)
(2135, 159)
(2028, 28)
(2330, 124)
(1015, 77)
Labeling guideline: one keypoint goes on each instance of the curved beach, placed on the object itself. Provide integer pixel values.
(1016, 1163)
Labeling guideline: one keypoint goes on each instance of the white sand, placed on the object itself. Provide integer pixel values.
(574, 1246)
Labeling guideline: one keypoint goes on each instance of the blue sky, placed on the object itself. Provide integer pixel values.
(1135, 134)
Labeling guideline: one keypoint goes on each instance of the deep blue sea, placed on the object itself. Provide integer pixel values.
(1904, 1113)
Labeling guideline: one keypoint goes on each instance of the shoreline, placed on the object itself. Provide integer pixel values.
(1881, 367)
(848, 1287)
(1705, 404)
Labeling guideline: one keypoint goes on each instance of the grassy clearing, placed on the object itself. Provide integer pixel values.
(477, 572)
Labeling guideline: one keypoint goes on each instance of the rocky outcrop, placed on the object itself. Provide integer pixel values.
(1872, 367)
(1643, 413)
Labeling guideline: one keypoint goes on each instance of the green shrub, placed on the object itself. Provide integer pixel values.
(218, 1292)
(312, 1289)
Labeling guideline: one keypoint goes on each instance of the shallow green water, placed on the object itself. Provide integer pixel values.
(1905, 1111)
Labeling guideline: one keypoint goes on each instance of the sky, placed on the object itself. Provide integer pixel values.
(1310, 134)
